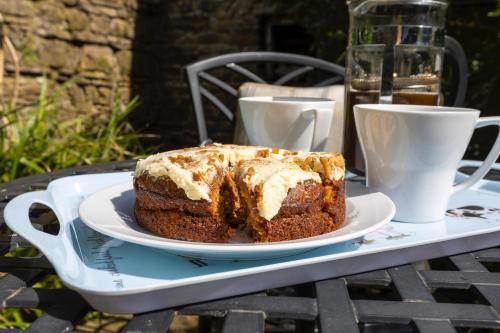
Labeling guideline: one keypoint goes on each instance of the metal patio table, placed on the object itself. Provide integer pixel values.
(460, 293)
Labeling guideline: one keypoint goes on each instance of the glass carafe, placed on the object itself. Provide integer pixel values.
(392, 23)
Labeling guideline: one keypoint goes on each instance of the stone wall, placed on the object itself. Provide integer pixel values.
(132, 47)
(85, 40)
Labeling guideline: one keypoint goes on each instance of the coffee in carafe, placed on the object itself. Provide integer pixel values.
(362, 91)
(416, 89)
(363, 80)
(417, 74)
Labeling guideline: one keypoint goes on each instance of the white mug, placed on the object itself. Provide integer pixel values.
(293, 123)
(412, 153)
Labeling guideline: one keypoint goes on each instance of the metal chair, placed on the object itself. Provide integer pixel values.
(197, 74)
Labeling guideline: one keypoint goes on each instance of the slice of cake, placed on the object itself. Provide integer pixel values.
(331, 168)
(186, 194)
(178, 195)
(282, 200)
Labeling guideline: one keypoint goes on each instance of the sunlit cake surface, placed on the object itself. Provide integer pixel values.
(204, 193)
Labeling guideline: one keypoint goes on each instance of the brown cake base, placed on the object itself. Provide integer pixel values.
(310, 209)
(305, 212)
(335, 202)
(159, 193)
(182, 226)
(164, 209)
(298, 226)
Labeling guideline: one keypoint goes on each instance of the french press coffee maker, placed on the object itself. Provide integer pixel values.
(394, 55)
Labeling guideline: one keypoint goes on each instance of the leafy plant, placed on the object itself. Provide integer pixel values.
(40, 138)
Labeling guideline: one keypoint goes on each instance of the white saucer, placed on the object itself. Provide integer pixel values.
(111, 212)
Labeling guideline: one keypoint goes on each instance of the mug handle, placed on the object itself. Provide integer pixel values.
(488, 162)
(322, 124)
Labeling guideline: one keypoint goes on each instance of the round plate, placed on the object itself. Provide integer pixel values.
(111, 212)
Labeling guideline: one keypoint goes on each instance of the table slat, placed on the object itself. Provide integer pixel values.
(151, 322)
(244, 322)
(334, 306)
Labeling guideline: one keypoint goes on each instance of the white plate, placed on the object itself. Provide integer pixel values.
(111, 212)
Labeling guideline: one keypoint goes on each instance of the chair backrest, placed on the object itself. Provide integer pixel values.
(197, 73)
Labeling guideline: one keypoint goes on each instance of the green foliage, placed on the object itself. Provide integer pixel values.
(42, 138)
(17, 318)
(495, 12)
(23, 252)
(27, 49)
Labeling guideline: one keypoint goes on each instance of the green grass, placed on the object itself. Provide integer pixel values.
(42, 138)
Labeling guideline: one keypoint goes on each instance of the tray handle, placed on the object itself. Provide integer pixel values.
(16, 215)
(488, 162)
(57, 248)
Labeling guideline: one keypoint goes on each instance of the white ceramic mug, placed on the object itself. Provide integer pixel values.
(412, 153)
(294, 123)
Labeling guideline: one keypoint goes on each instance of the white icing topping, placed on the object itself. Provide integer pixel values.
(173, 165)
(182, 172)
(193, 169)
(234, 153)
(335, 163)
(276, 178)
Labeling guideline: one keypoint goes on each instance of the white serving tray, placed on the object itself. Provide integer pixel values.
(121, 277)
